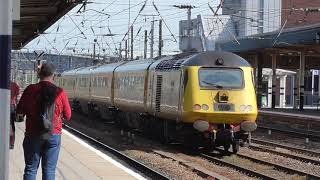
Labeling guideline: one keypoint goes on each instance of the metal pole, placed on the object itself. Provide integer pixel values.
(126, 50)
(259, 80)
(94, 51)
(312, 86)
(5, 67)
(152, 39)
(274, 80)
(189, 29)
(318, 86)
(160, 38)
(120, 50)
(296, 90)
(301, 79)
(131, 43)
(145, 44)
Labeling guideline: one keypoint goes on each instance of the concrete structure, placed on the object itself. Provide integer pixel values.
(5, 63)
(36, 17)
(207, 32)
(196, 34)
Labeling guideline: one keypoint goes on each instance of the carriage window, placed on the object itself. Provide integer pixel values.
(221, 78)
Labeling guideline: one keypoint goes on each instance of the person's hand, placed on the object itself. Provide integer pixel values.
(20, 118)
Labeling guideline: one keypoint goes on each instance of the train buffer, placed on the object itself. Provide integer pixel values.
(78, 160)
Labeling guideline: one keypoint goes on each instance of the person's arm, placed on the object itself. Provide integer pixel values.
(17, 92)
(21, 107)
(66, 106)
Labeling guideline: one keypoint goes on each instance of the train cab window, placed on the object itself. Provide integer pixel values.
(214, 78)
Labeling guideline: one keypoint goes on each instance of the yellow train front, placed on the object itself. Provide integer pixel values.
(219, 99)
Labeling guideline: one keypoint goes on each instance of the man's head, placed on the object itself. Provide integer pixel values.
(46, 71)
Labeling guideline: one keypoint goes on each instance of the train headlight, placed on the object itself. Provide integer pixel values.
(244, 108)
(205, 107)
(249, 108)
(196, 107)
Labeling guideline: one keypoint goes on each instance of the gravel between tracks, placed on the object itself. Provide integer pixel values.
(142, 150)
(287, 140)
(288, 162)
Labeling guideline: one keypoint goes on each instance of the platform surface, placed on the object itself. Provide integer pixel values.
(77, 161)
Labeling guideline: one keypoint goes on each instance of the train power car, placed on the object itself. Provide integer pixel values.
(204, 98)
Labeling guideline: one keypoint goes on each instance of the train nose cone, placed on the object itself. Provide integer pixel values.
(248, 126)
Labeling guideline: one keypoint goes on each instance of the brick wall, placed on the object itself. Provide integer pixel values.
(299, 18)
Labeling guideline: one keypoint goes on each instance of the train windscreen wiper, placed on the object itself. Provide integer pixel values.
(212, 84)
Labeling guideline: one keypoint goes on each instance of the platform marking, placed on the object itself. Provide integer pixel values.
(104, 156)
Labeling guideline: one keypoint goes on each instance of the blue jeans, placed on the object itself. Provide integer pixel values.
(36, 149)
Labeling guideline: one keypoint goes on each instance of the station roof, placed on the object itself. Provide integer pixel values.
(289, 39)
(36, 16)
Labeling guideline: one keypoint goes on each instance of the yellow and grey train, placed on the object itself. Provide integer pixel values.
(205, 98)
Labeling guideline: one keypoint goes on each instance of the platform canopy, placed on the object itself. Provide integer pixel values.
(36, 16)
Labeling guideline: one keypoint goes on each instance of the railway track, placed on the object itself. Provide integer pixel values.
(200, 170)
(288, 155)
(245, 170)
(150, 173)
(290, 148)
(279, 167)
(255, 173)
(292, 132)
(267, 146)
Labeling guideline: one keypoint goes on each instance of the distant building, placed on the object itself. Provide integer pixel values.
(239, 19)
(253, 16)
(296, 17)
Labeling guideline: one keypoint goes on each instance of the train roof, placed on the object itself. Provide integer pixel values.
(216, 59)
(71, 72)
(86, 70)
(171, 62)
(209, 59)
(135, 65)
(106, 67)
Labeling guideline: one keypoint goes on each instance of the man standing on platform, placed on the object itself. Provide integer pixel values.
(45, 105)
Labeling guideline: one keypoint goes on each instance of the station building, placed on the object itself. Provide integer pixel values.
(279, 38)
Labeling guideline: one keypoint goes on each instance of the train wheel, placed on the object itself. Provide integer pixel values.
(235, 146)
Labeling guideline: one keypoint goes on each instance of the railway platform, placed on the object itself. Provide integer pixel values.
(312, 114)
(306, 121)
(77, 161)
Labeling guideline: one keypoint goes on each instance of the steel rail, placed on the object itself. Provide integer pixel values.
(279, 167)
(131, 162)
(247, 171)
(292, 156)
(200, 170)
(291, 148)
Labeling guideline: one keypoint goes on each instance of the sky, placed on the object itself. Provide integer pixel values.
(76, 31)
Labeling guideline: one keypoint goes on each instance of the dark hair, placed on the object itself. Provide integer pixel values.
(46, 70)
